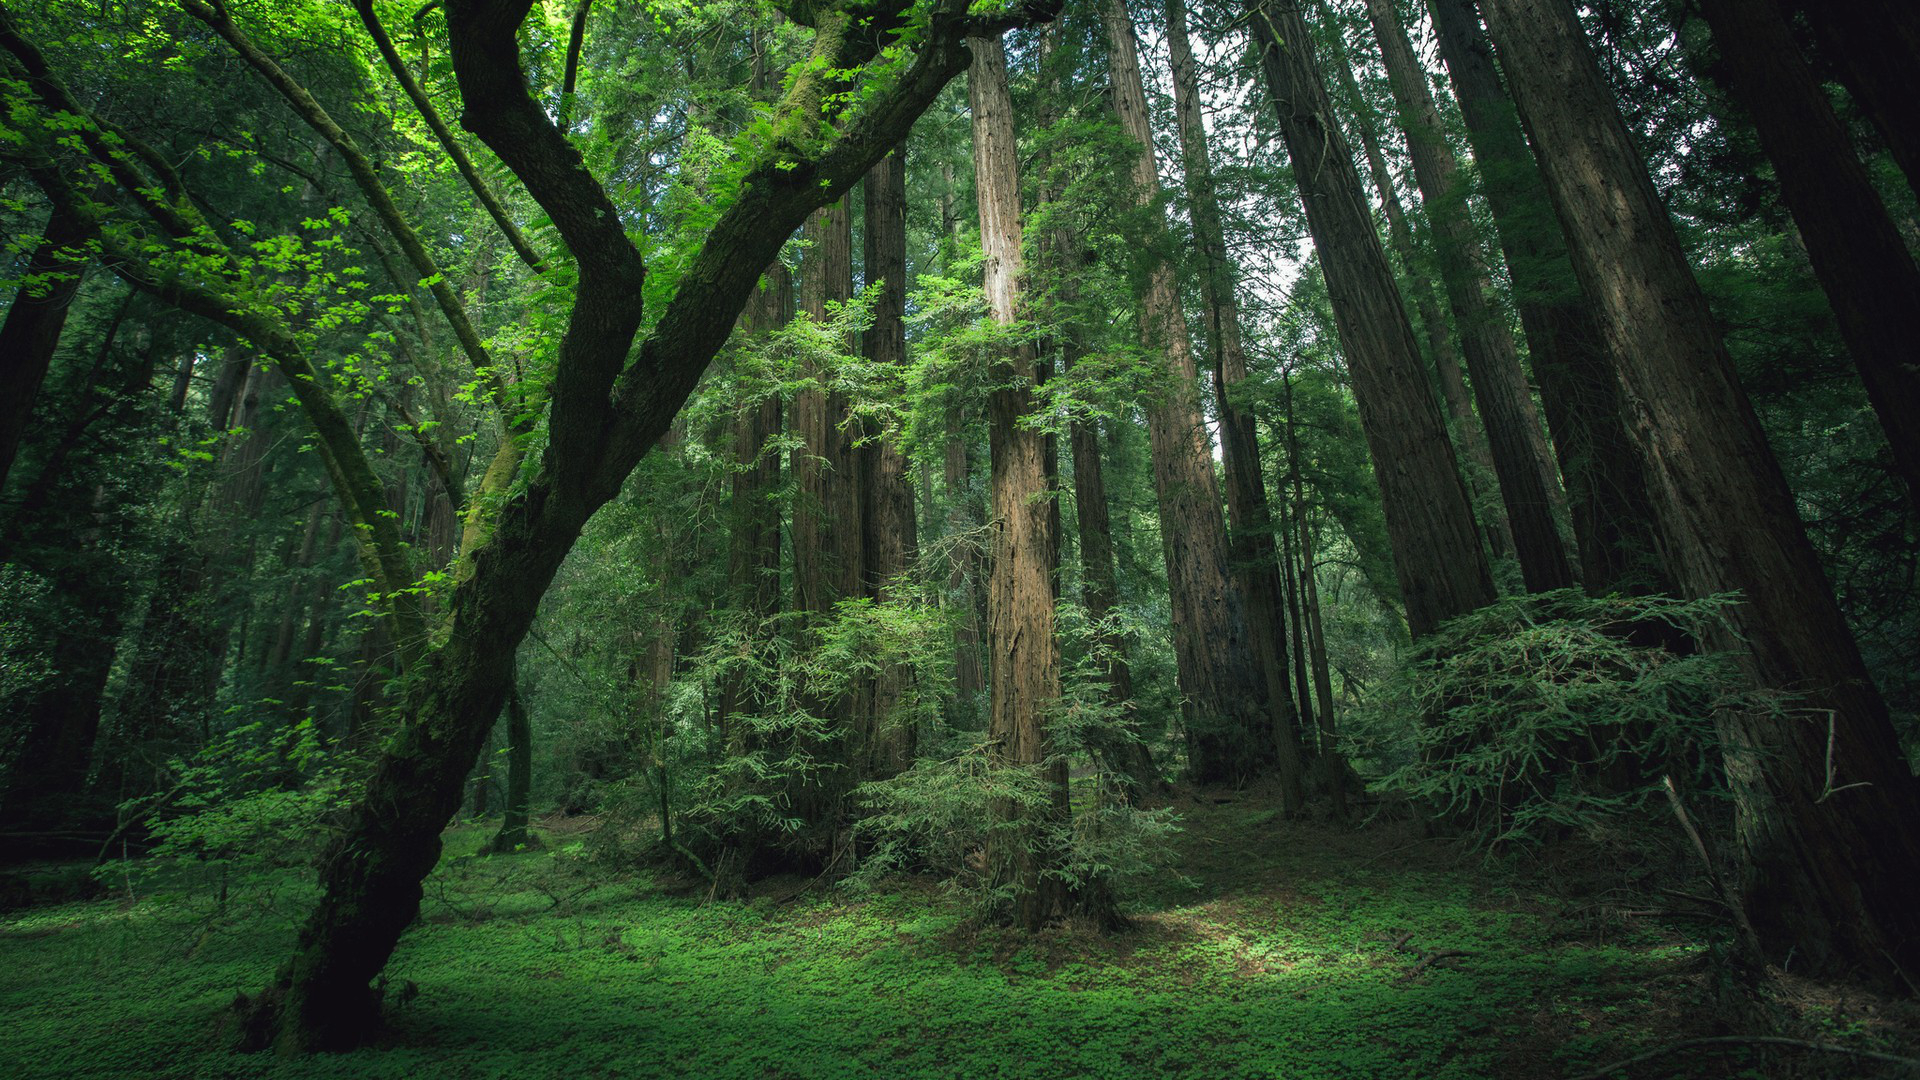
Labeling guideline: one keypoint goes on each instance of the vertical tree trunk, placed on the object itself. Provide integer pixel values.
(1025, 668)
(963, 576)
(1873, 43)
(1527, 484)
(753, 564)
(34, 320)
(1251, 548)
(1437, 556)
(1861, 261)
(1606, 482)
(1481, 477)
(1820, 790)
(513, 833)
(888, 515)
(1230, 729)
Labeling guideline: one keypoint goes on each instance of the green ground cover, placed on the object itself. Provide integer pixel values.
(1282, 950)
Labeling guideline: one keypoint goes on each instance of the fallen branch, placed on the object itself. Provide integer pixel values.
(1746, 1040)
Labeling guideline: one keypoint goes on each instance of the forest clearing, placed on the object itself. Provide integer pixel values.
(805, 538)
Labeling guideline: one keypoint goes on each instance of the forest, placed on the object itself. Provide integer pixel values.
(960, 538)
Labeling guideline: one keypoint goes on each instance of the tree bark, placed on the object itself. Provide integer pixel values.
(513, 833)
(1437, 556)
(1858, 256)
(1873, 43)
(889, 545)
(1230, 725)
(1024, 672)
(34, 320)
(1821, 787)
(1608, 504)
(1470, 436)
(1527, 484)
(1252, 551)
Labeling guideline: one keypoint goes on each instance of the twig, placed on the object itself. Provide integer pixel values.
(1745, 1040)
(1427, 960)
(1749, 940)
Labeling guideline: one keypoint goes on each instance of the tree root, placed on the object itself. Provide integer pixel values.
(1912, 1064)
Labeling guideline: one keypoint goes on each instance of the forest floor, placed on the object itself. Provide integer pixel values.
(1281, 949)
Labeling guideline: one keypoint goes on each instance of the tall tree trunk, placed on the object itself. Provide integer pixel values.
(826, 525)
(1024, 674)
(753, 564)
(1608, 504)
(1527, 484)
(1437, 555)
(34, 320)
(1873, 43)
(1230, 728)
(1861, 261)
(1821, 791)
(1252, 547)
(963, 575)
(1481, 477)
(513, 833)
(889, 545)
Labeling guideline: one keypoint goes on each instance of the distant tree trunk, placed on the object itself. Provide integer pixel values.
(826, 525)
(513, 833)
(753, 565)
(1482, 480)
(1873, 43)
(34, 320)
(1333, 762)
(1437, 556)
(1608, 503)
(1025, 669)
(1857, 253)
(1528, 486)
(1252, 550)
(1230, 728)
(889, 545)
(1822, 791)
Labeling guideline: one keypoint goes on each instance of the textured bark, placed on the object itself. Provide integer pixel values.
(1437, 556)
(963, 575)
(1251, 538)
(513, 816)
(1606, 481)
(826, 469)
(1468, 433)
(34, 320)
(889, 546)
(1873, 43)
(1528, 486)
(1830, 872)
(1230, 730)
(1024, 671)
(1862, 263)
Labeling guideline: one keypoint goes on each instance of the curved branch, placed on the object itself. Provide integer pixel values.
(438, 126)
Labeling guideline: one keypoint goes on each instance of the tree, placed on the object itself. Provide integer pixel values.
(1024, 673)
(1864, 266)
(1232, 728)
(1527, 484)
(1819, 783)
(1606, 483)
(1437, 556)
(1252, 550)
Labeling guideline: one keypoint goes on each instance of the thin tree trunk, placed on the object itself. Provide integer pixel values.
(1230, 729)
(513, 833)
(1528, 486)
(1865, 267)
(1437, 555)
(1821, 788)
(1608, 504)
(1251, 548)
